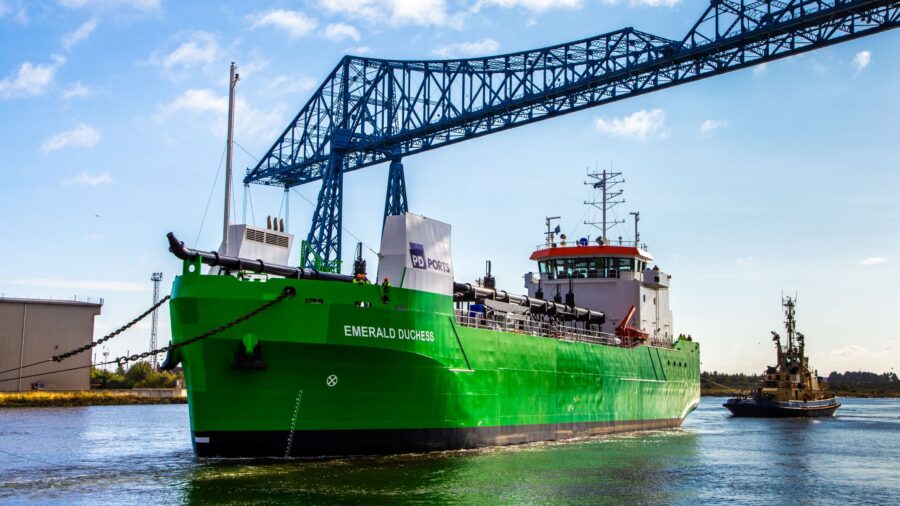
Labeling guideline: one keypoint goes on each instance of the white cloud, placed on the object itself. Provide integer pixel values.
(641, 125)
(295, 23)
(88, 179)
(249, 122)
(546, 5)
(358, 50)
(760, 69)
(81, 33)
(94, 236)
(531, 5)
(872, 261)
(396, 12)
(20, 16)
(193, 101)
(110, 286)
(744, 262)
(82, 136)
(861, 61)
(31, 79)
(75, 90)
(200, 48)
(144, 6)
(478, 48)
(653, 3)
(341, 31)
(712, 124)
(851, 350)
(288, 85)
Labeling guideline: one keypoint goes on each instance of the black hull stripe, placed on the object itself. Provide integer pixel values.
(336, 443)
(748, 410)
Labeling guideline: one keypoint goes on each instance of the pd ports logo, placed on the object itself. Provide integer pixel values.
(420, 261)
(417, 256)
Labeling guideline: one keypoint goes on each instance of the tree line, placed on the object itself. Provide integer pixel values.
(139, 375)
(849, 382)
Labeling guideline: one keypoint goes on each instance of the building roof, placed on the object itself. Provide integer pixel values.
(576, 250)
(75, 301)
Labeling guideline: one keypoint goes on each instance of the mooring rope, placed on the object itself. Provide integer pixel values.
(720, 385)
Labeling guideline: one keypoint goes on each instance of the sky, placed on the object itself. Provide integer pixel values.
(781, 178)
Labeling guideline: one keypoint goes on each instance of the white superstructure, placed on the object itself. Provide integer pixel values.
(604, 276)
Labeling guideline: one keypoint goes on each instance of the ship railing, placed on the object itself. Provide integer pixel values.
(578, 244)
(516, 324)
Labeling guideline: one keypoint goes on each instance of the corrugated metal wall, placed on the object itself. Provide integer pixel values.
(34, 330)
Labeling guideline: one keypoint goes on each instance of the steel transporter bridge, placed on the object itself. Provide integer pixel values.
(369, 110)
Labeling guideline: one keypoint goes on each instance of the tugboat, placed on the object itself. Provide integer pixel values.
(789, 388)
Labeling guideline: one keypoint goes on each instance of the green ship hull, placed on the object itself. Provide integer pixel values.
(339, 371)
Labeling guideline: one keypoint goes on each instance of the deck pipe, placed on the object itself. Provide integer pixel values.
(214, 259)
(462, 291)
(465, 291)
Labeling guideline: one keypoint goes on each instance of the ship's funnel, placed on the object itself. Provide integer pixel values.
(415, 254)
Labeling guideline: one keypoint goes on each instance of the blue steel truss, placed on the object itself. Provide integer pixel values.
(395, 201)
(369, 110)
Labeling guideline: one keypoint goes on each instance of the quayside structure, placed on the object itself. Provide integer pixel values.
(369, 111)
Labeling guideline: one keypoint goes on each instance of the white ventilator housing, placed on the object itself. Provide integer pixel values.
(267, 244)
(415, 254)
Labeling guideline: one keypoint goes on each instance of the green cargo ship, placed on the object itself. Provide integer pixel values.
(339, 367)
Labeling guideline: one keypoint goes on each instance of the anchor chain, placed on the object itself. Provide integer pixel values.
(107, 337)
(287, 293)
(94, 344)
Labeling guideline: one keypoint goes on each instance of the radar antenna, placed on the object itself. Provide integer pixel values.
(604, 182)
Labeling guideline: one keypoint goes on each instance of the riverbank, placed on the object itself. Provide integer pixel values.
(864, 394)
(43, 399)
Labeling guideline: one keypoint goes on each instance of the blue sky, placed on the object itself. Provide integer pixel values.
(777, 178)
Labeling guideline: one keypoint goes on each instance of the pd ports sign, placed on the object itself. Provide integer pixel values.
(420, 261)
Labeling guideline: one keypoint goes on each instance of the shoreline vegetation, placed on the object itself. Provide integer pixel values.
(847, 384)
(141, 385)
(62, 399)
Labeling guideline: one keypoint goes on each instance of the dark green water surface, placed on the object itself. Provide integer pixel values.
(142, 455)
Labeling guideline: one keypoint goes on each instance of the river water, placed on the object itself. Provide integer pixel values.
(142, 455)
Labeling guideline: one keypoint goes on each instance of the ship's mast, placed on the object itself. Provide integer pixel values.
(605, 181)
(637, 236)
(232, 83)
(789, 321)
(551, 232)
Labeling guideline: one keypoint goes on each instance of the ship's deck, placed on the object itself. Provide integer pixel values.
(516, 324)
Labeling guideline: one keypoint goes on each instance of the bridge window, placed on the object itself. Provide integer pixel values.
(603, 267)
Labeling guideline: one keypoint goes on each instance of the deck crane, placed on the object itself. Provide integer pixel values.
(369, 110)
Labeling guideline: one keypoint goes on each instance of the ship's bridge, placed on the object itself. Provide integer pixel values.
(583, 261)
(606, 277)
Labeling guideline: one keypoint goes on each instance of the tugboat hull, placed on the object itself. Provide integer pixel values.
(774, 409)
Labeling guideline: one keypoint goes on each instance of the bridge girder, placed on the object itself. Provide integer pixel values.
(373, 110)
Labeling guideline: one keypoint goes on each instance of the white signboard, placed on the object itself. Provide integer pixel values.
(415, 254)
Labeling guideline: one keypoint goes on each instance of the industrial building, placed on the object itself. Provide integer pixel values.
(32, 330)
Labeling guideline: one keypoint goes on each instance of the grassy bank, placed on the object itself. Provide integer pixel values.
(721, 392)
(82, 398)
